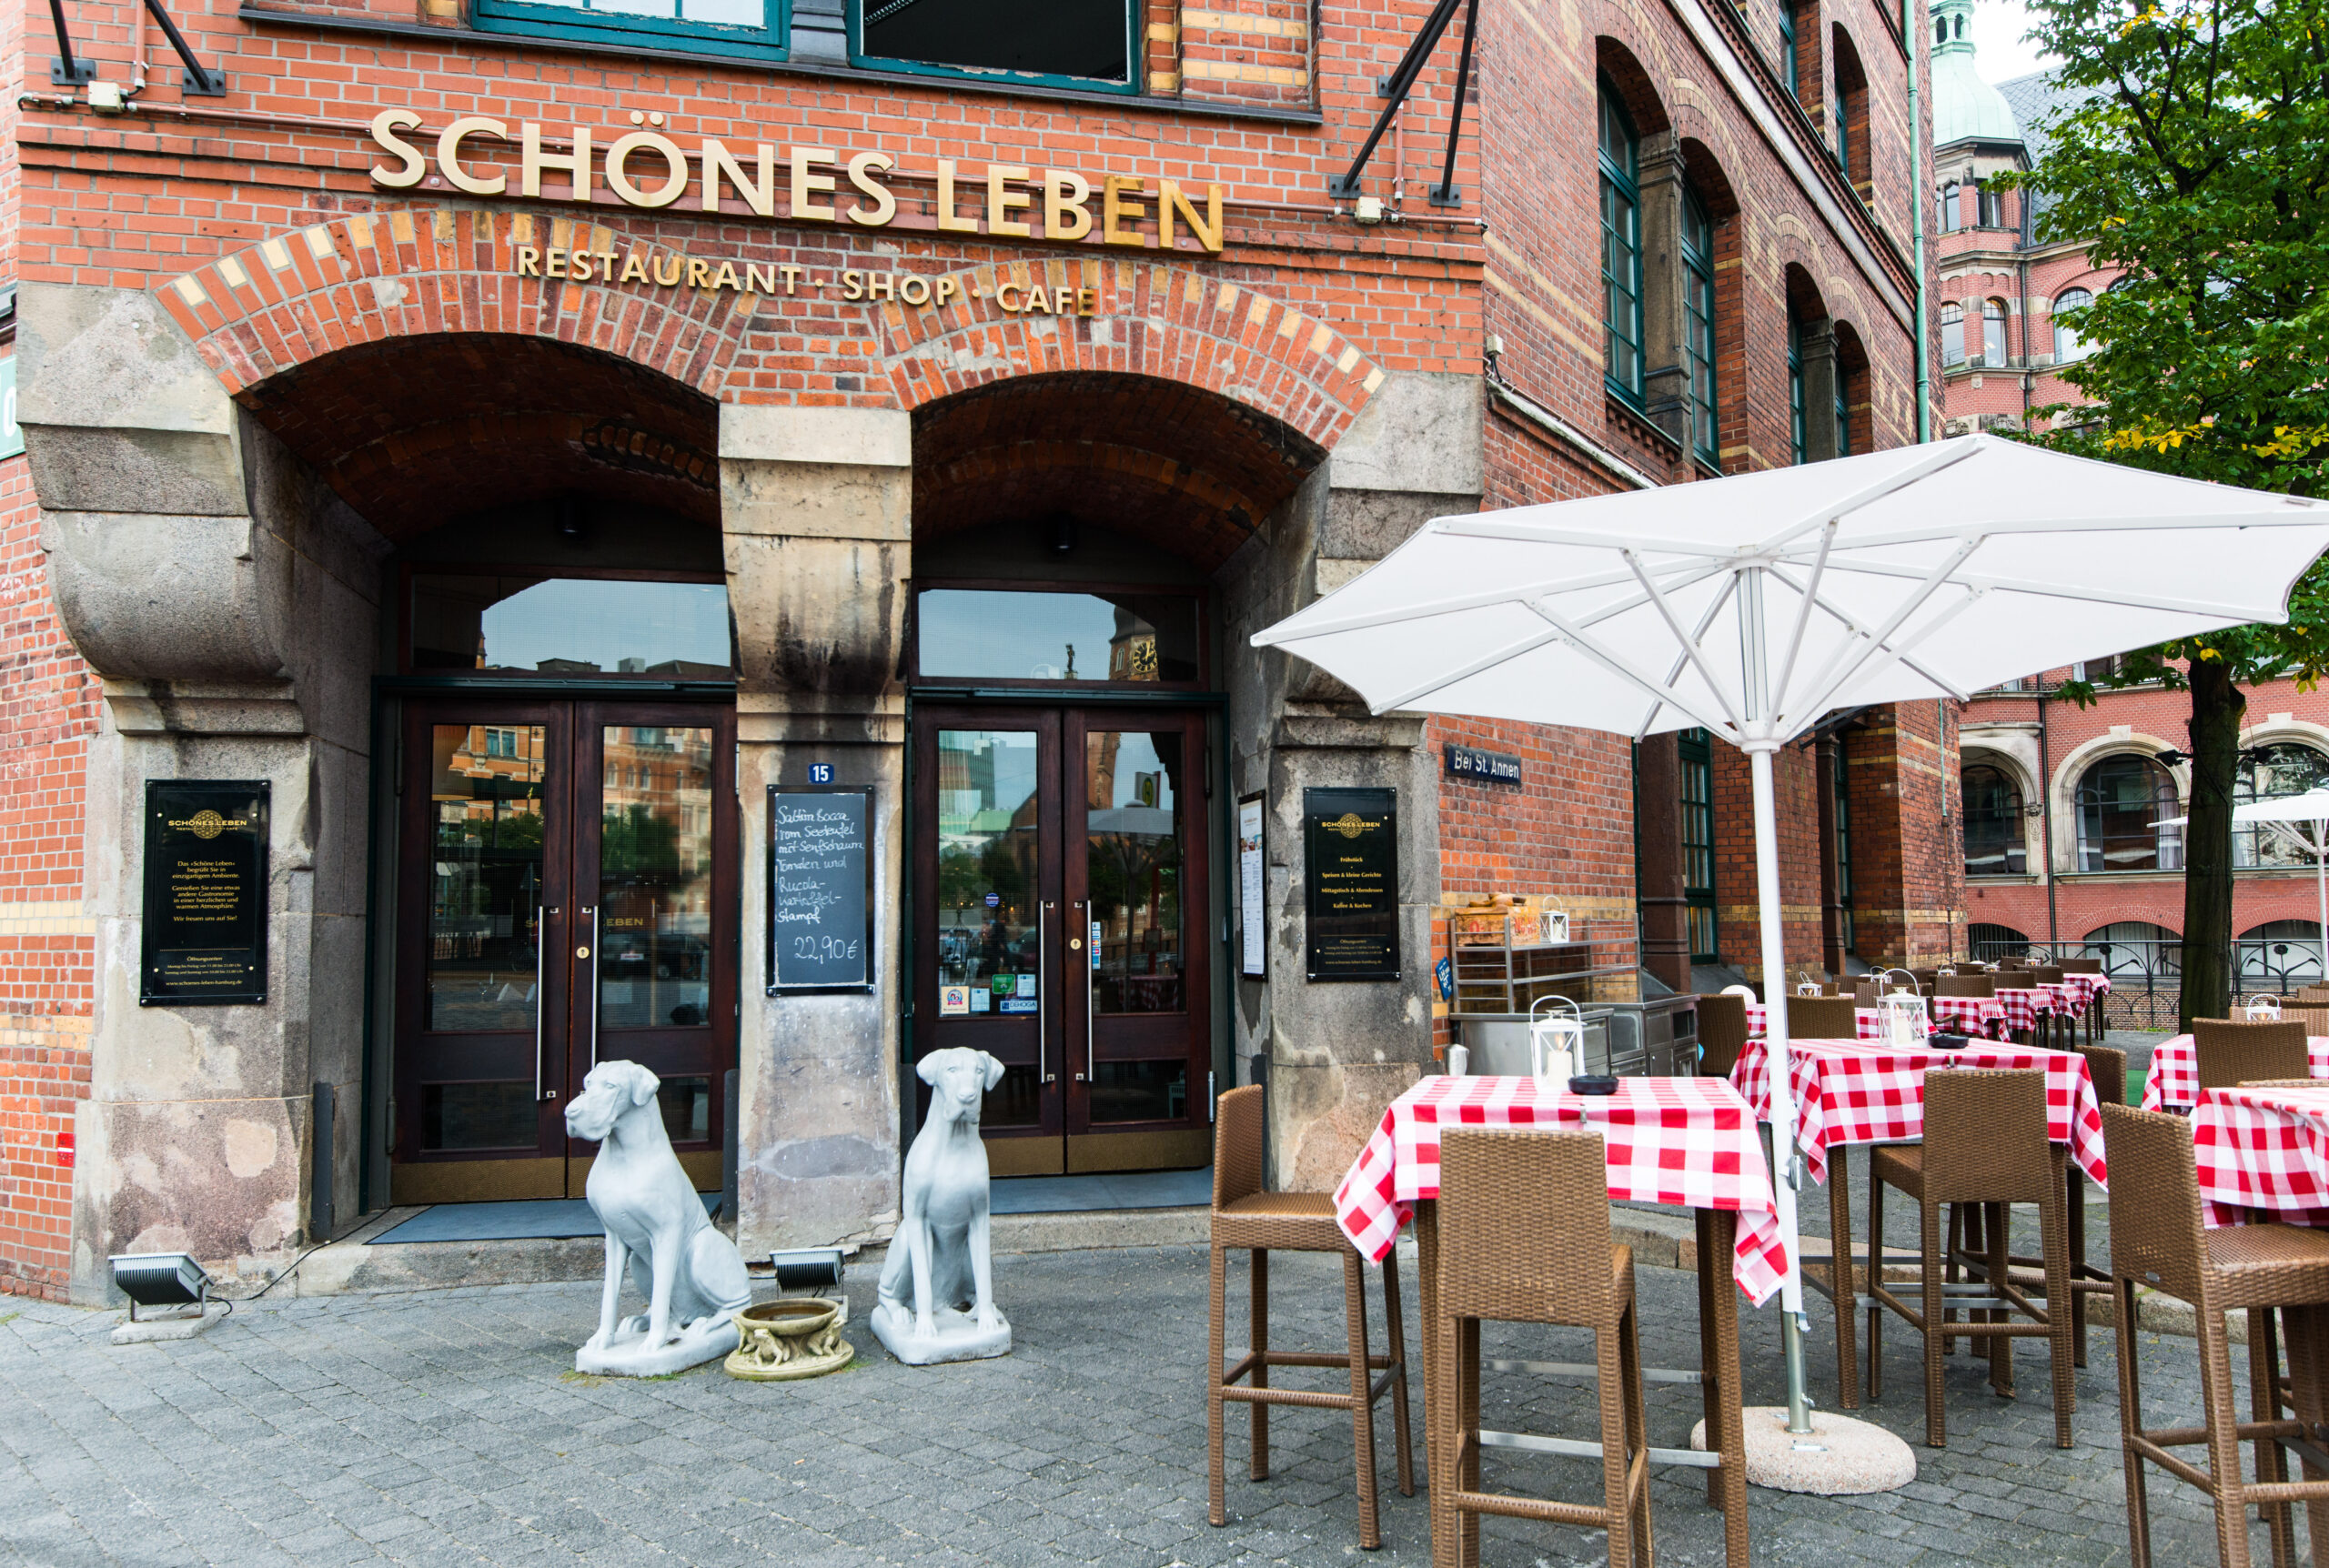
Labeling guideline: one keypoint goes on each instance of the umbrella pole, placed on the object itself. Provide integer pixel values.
(1767, 897)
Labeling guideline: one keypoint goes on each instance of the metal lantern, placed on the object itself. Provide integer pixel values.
(1556, 1041)
(1905, 1025)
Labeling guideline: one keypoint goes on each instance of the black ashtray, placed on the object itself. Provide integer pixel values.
(1592, 1084)
(1950, 1041)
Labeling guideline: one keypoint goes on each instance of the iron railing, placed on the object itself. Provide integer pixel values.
(2147, 976)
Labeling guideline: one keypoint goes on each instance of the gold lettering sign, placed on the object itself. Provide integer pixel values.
(821, 185)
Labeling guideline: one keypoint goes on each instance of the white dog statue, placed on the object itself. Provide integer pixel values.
(941, 1247)
(691, 1275)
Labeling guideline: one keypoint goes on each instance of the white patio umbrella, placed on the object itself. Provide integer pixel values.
(1754, 604)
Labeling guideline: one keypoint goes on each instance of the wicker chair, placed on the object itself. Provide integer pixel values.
(1985, 1143)
(1722, 1033)
(2094, 1012)
(2225, 1053)
(1966, 985)
(1822, 1017)
(2159, 1242)
(1245, 1216)
(1523, 1218)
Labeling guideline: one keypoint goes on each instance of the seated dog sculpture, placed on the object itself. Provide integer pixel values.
(941, 1247)
(691, 1275)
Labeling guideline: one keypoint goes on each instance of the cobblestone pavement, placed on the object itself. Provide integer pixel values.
(447, 1427)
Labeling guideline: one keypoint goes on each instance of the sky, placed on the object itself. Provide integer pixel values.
(1997, 48)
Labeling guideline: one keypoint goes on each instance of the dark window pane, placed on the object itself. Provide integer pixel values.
(572, 625)
(485, 876)
(1016, 1102)
(1132, 860)
(1085, 38)
(1140, 1091)
(1993, 833)
(975, 634)
(476, 1116)
(686, 1105)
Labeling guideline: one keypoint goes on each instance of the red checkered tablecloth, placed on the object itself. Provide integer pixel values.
(1847, 1092)
(1689, 1141)
(2263, 1154)
(2086, 988)
(2025, 1005)
(2173, 1081)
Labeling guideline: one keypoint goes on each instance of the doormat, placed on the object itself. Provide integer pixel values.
(526, 1219)
(1102, 1191)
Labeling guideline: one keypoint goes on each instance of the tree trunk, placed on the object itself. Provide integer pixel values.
(2217, 707)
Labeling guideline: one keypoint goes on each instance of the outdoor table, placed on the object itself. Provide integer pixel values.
(1848, 1092)
(2025, 1005)
(2262, 1155)
(1967, 1014)
(1689, 1141)
(2173, 1081)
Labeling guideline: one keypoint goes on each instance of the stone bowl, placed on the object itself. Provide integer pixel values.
(786, 1340)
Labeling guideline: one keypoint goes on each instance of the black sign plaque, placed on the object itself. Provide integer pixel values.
(1351, 883)
(820, 888)
(205, 893)
(1485, 767)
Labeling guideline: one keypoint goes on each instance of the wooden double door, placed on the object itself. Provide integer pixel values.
(1061, 914)
(566, 895)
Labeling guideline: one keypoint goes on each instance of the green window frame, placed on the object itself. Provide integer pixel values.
(1795, 447)
(1787, 50)
(1843, 414)
(704, 26)
(1699, 348)
(1621, 284)
(1696, 753)
(862, 54)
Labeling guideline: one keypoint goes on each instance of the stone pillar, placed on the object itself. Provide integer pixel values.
(1819, 372)
(229, 600)
(816, 511)
(1666, 377)
(1658, 883)
(1337, 1053)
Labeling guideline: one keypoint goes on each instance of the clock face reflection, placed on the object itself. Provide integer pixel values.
(1143, 651)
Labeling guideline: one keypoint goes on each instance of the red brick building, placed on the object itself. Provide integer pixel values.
(2061, 849)
(524, 450)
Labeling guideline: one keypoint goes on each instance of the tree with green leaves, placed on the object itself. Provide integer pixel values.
(2195, 157)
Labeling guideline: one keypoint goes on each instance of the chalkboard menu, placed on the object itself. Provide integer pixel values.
(205, 893)
(1351, 883)
(820, 888)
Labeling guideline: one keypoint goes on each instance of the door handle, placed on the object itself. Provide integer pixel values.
(1043, 1073)
(541, 940)
(594, 955)
(1090, 963)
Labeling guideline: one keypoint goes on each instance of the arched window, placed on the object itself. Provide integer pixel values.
(1991, 942)
(2266, 773)
(1794, 386)
(1698, 283)
(2120, 801)
(1952, 334)
(2280, 955)
(1620, 249)
(2136, 949)
(1993, 333)
(1843, 381)
(2068, 345)
(1993, 836)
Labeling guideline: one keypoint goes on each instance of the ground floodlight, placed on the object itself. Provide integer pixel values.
(160, 1280)
(807, 1268)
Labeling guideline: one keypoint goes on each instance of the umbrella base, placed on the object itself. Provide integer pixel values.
(1842, 1458)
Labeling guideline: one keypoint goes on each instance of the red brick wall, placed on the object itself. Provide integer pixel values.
(48, 708)
(1900, 787)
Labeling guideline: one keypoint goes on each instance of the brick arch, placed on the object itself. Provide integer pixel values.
(369, 277)
(1155, 319)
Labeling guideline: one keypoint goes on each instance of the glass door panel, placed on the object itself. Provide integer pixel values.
(481, 868)
(984, 956)
(1134, 876)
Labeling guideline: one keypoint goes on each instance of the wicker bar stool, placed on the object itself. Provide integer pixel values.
(1986, 1143)
(2159, 1240)
(2225, 1053)
(1822, 1017)
(1524, 1220)
(1722, 1034)
(1245, 1216)
(2108, 1065)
